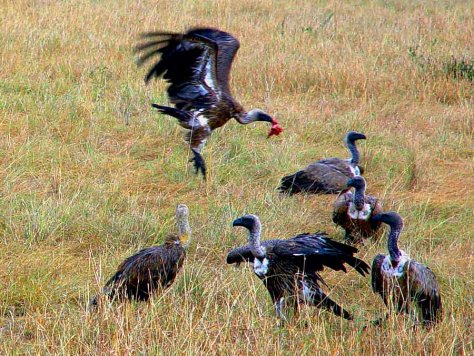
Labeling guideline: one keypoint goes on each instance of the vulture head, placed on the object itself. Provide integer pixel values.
(395, 221)
(358, 183)
(391, 218)
(252, 224)
(260, 115)
(353, 136)
(182, 220)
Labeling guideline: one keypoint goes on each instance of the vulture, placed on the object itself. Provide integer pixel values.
(151, 269)
(404, 284)
(197, 65)
(289, 268)
(328, 176)
(352, 211)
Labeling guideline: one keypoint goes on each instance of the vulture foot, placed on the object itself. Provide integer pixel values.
(199, 163)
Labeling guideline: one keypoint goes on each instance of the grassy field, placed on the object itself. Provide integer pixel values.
(90, 174)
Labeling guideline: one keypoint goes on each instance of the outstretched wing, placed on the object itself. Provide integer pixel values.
(315, 251)
(196, 64)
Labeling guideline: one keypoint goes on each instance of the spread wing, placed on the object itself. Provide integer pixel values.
(196, 64)
(315, 251)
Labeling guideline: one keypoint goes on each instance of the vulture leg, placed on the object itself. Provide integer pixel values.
(199, 163)
(279, 309)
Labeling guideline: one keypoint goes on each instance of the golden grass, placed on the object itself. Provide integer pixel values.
(81, 190)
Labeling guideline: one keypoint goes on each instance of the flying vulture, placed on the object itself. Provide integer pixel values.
(197, 65)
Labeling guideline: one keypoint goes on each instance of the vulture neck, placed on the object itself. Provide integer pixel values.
(392, 243)
(248, 117)
(355, 156)
(359, 198)
(254, 240)
(184, 231)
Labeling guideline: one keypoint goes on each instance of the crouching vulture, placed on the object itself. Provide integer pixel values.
(352, 211)
(404, 284)
(289, 268)
(327, 176)
(197, 64)
(151, 269)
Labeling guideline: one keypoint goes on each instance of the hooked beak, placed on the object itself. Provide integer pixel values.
(237, 222)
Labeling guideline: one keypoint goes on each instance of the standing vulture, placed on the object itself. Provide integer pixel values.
(197, 65)
(328, 176)
(151, 269)
(352, 211)
(289, 268)
(404, 284)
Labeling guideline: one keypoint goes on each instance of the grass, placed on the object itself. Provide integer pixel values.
(90, 173)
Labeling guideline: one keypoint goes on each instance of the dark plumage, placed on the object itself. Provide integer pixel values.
(328, 176)
(289, 268)
(405, 285)
(352, 211)
(151, 269)
(197, 66)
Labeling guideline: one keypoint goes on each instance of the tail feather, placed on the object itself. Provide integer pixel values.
(288, 183)
(184, 117)
(331, 305)
(359, 265)
(299, 182)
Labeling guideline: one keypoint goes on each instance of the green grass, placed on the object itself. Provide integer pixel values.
(90, 174)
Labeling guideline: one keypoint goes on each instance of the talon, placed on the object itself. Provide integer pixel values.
(199, 163)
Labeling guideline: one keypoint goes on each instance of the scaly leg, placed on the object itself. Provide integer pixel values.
(199, 163)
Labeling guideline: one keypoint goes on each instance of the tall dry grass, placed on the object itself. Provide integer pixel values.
(81, 189)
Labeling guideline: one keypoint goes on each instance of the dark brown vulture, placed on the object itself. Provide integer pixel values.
(197, 65)
(327, 176)
(352, 211)
(289, 268)
(405, 285)
(151, 269)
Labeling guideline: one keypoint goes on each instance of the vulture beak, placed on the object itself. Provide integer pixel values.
(276, 128)
(238, 222)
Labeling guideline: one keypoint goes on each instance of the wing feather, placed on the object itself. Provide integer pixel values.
(196, 64)
(316, 251)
